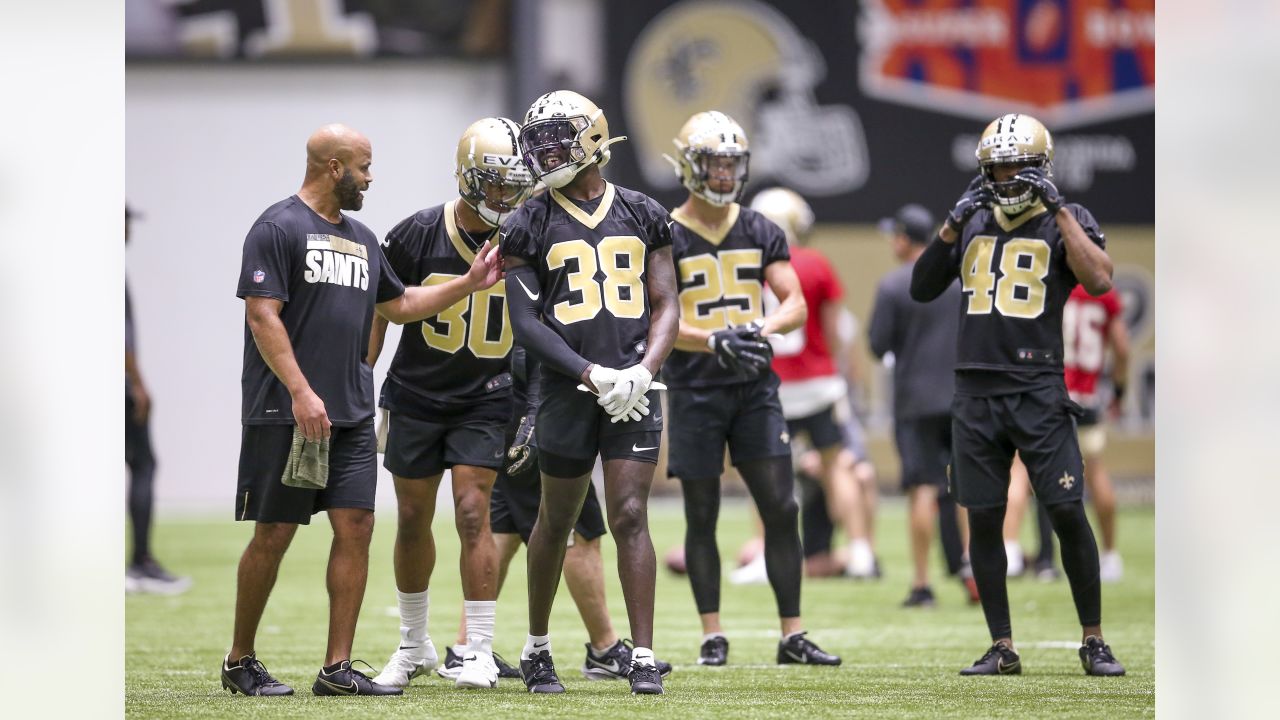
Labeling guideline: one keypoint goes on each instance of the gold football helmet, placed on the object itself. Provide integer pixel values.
(563, 133)
(788, 210)
(750, 61)
(492, 178)
(1018, 140)
(712, 157)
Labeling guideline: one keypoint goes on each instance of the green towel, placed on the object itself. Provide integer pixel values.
(308, 465)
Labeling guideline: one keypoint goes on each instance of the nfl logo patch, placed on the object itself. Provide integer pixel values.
(259, 276)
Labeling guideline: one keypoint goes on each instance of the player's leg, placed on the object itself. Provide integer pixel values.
(276, 510)
(142, 468)
(1093, 440)
(346, 576)
(864, 472)
(1047, 441)
(981, 460)
(1019, 499)
(922, 505)
(478, 566)
(415, 456)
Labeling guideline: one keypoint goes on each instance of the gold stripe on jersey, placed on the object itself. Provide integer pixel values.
(320, 241)
(592, 220)
(455, 235)
(713, 235)
(1009, 225)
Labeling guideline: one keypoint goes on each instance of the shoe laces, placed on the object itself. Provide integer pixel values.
(543, 669)
(1101, 651)
(997, 650)
(643, 673)
(259, 672)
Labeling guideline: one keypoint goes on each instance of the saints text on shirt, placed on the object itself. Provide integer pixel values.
(336, 260)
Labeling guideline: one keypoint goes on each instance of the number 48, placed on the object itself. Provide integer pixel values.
(979, 279)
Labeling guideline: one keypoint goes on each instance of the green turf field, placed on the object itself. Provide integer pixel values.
(897, 663)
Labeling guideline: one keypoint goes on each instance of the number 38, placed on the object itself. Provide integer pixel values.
(621, 257)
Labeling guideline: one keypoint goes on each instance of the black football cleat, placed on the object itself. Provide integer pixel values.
(615, 663)
(920, 597)
(1097, 659)
(800, 649)
(505, 670)
(715, 651)
(999, 660)
(346, 680)
(250, 677)
(539, 674)
(645, 679)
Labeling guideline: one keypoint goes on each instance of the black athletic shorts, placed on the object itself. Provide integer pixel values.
(822, 427)
(746, 415)
(1039, 424)
(573, 430)
(924, 444)
(513, 506)
(418, 448)
(264, 451)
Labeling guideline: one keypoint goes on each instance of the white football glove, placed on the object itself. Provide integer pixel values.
(631, 385)
(603, 378)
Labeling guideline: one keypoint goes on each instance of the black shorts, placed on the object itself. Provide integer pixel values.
(418, 448)
(264, 451)
(573, 430)
(1039, 424)
(924, 444)
(513, 506)
(746, 415)
(822, 427)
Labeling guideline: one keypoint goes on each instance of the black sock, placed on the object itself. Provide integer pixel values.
(949, 533)
(330, 669)
(701, 555)
(772, 485)
(1079, 559)
(987, 557)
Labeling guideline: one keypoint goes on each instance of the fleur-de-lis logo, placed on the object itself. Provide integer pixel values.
(1067, 480)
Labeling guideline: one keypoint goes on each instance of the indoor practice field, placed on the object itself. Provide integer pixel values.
(897, 662)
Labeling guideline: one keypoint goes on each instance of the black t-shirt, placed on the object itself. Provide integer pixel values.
(922, 338)
(720, 274)
(590, 259)
(447, 363)
(329, 278)
(1015, 280)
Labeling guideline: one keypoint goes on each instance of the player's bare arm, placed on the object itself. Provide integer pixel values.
(525, 311)
(664, 311)
(792, 310)
(377, 337)
(420, 303)
(1118, 335)
(263, 316)
(1090, 263)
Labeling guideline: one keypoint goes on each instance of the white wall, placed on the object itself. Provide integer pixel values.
(208, 148)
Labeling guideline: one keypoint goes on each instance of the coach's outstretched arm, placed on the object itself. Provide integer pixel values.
(539, 340)
(664, 311)
(420, 302)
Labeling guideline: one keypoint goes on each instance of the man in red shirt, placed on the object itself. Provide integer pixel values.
(1089, 325)
(813, 392)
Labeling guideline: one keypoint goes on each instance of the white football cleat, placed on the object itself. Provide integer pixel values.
(407, 663)
(478, 670)
(753, 573)
(1111, 567)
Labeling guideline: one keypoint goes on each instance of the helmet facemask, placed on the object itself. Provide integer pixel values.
(492, 195)
(708, 170)
(553, 149)
(1014, 196)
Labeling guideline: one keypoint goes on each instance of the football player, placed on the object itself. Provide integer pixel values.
(728, 393)
(1018, 250)
(446, 400)
(592, 294)
(1089, 326)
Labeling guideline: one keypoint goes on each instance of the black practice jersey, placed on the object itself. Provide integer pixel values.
(446, 363)
(329, 278)
(1015, 280)
(590, 259)
(720, 274)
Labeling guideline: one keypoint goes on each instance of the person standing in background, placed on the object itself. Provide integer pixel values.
(922, 341)
(144, 573)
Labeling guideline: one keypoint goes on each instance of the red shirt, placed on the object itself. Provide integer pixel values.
(820, 286)
(1085, 320)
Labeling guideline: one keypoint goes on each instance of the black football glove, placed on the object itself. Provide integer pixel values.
(1042, 186)
(976, 196)
(521, 452)
(741, 350)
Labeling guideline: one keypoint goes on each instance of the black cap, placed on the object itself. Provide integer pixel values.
(913, 220)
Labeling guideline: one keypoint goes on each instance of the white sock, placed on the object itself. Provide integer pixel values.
(1013, 551)
(861, 560)
(535, 644)
(642, 655)
(480, 616)
(413, 618)
(708, 636)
